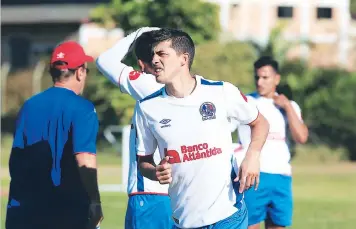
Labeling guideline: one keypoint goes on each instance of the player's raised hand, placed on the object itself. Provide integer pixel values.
(164, 171)
(249, 173)
(145, 29)
(281, 100)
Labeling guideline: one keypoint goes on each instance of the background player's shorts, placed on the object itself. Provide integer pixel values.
(238, 220)
(149, 212)
(273, 200)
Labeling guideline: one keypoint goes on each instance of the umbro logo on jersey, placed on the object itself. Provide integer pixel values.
(165, 123)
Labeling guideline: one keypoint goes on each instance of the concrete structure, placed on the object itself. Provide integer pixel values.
(32, 28)
(325, 23)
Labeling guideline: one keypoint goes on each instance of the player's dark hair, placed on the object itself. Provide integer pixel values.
(266, 61)
(181, 41)
(58, 74)
(286, 90)
(143, 47)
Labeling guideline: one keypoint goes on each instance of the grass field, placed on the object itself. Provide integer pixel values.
(324, 193)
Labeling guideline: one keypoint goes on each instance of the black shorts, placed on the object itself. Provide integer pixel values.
(36, 218)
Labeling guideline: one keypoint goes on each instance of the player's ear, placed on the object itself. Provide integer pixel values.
(80, 73)
(141, 65)
(184, 59)
(277, 79)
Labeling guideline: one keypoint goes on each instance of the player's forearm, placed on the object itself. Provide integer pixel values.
(109, 63)
(297, 128)
(259, 133)
(120, 49)
(89, 176)
(148, 168)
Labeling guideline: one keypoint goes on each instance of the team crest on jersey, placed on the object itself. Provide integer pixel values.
(207, 111)
(133, 75)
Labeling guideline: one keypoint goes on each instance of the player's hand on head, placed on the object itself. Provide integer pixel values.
(281, 100)
(164, 171)
(249, 173)
(146, 29)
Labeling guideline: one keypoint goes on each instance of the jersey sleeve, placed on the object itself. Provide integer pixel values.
(146, 143)
(238, 106)
(137, 84)
(297, 110)
(85, 127)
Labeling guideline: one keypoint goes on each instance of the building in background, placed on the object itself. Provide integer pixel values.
(32, 28)
(327, 24)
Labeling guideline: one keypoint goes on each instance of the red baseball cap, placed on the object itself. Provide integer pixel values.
(72, 53)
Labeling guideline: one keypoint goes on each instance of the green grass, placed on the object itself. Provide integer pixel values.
(324, 192)
(324, 198)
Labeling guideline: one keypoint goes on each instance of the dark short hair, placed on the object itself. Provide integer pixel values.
(59, 74)
(181, 41)
(266, 61)
(286, 90)
(143, 47)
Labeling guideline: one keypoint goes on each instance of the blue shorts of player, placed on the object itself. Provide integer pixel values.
(238, 220)
(272, 201)
(149, 211)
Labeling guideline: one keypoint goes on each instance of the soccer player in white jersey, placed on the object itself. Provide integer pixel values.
(149, 203)
(273, 202)
(188, 121)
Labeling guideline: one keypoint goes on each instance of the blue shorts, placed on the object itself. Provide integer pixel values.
(238, 220)
(147, 211)
(273, 200)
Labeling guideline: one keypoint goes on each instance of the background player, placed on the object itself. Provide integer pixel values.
(55, 134)
(273, 200)
(149, 203)
(197, 139)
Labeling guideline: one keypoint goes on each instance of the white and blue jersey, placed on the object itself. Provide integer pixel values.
(149, 204)
(194, 132)
(275, 154)
(273, 199)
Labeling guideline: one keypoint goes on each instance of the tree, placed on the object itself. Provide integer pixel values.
(326, 97)
(232, 62)
(198, 18)
(353, 8)
(277, 46)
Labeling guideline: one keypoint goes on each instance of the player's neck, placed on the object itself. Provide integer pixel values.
(68, 86)
(182, 86)
(269, 95)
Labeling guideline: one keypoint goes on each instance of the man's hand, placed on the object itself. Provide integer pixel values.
(138, 33)
(146, 29)
(281, 100)
(164, 171)
(249, 173)
(142, 30)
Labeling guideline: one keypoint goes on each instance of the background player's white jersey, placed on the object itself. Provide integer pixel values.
(138, 85)
(275, 155)
(195, 132)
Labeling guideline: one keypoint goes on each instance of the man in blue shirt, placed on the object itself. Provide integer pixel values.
(53, 158)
